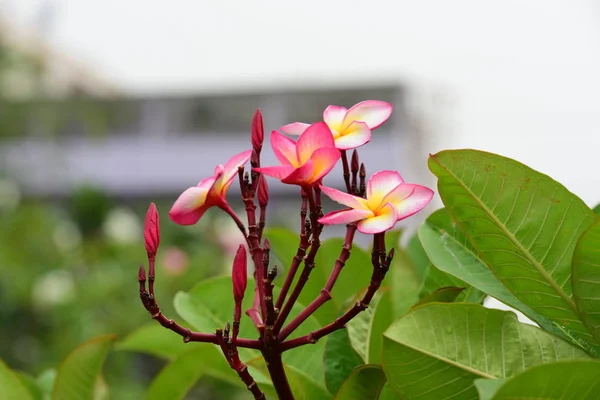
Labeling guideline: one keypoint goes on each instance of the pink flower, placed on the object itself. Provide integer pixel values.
(350, 128)
(306, 161)
(194, 202)
(388, 201)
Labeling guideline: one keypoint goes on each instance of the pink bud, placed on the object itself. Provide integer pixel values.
(239, 274)
(258, 132)
(141, 274)
(263, 192)
(152, 230)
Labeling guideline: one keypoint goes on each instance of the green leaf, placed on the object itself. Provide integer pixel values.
(366, 329)
(339, 359)
(597, 209)
(178, 377)
(78, 373)
(303, 386)
(449, 249)
(45, 381)
(419, 258)
(523, 224)
(365, 383)
(403, 282)
(155, 340)
(586, 277)
(566, 380)
(12, 387)
(387, 393)
(439, 349)
(487, 388)
(442, 295)
(209, 305)
(31, 384)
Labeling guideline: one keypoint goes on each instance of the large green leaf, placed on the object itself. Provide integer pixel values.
(156, 340)
(366, 329)
(565, 380)
(365, 383)
(442, 295)
(209, 305)
(523, 225)
(487, 388)
(32, 386)
(439, 349)
(178, 377)
(449, 249)
(339, 359)
(77, 375)
(597, 209)
(11, 386)
(586, 277)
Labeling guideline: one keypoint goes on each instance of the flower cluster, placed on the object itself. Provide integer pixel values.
(307, 161)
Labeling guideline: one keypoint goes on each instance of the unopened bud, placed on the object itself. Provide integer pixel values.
(263, 192)
(258, 132)
(239, 274)
(152, 230)
(141, 274)
(354, 162)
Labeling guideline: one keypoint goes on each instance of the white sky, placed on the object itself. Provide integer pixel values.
(521, 77)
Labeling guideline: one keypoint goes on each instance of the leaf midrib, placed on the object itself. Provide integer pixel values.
(514, 240)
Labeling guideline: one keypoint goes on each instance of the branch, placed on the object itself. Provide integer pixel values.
(346, 171)
(325, 294)
(380, 267)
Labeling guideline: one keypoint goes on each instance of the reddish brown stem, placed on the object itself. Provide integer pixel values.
(325, 294)
(380, 268)
(309, 261)
(231, 355)
(346, 170)
(304, 242)
(272, 357)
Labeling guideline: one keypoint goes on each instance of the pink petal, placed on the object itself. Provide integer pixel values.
(384, 221)
(190, 206)
(357, 134)
(297, 128)
(334, 117)
(230, 170)
(284, 149)
(344, 198)
(345, 216)
(315, 137)
(278, 171)
(372, 112)
(301, 176)
(324, 160)
(409, 199)
(206, 183)
(380, 185)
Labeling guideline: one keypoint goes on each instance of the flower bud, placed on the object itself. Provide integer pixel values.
(152, 230)
(258, 132)
(263, 191)
(239, 274)
(354, 163)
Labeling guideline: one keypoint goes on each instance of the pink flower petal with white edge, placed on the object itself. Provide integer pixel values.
(382, 222)
(284, 149)
(372, 112)
(334, 117)
(409, 199)
(380, 185)
(278, 171)
(357, 134)
(230, 169)
(345, 216)
(324, 160)
(296, 128)
(190, 206)
(301, 176)
(206, 183)
(344, 198)
(315, 137)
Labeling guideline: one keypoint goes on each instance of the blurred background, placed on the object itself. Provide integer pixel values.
(106, 106)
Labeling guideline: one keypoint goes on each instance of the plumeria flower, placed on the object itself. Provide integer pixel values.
(350, 128)
(194, 202)
(306, 161)
(388, 201)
